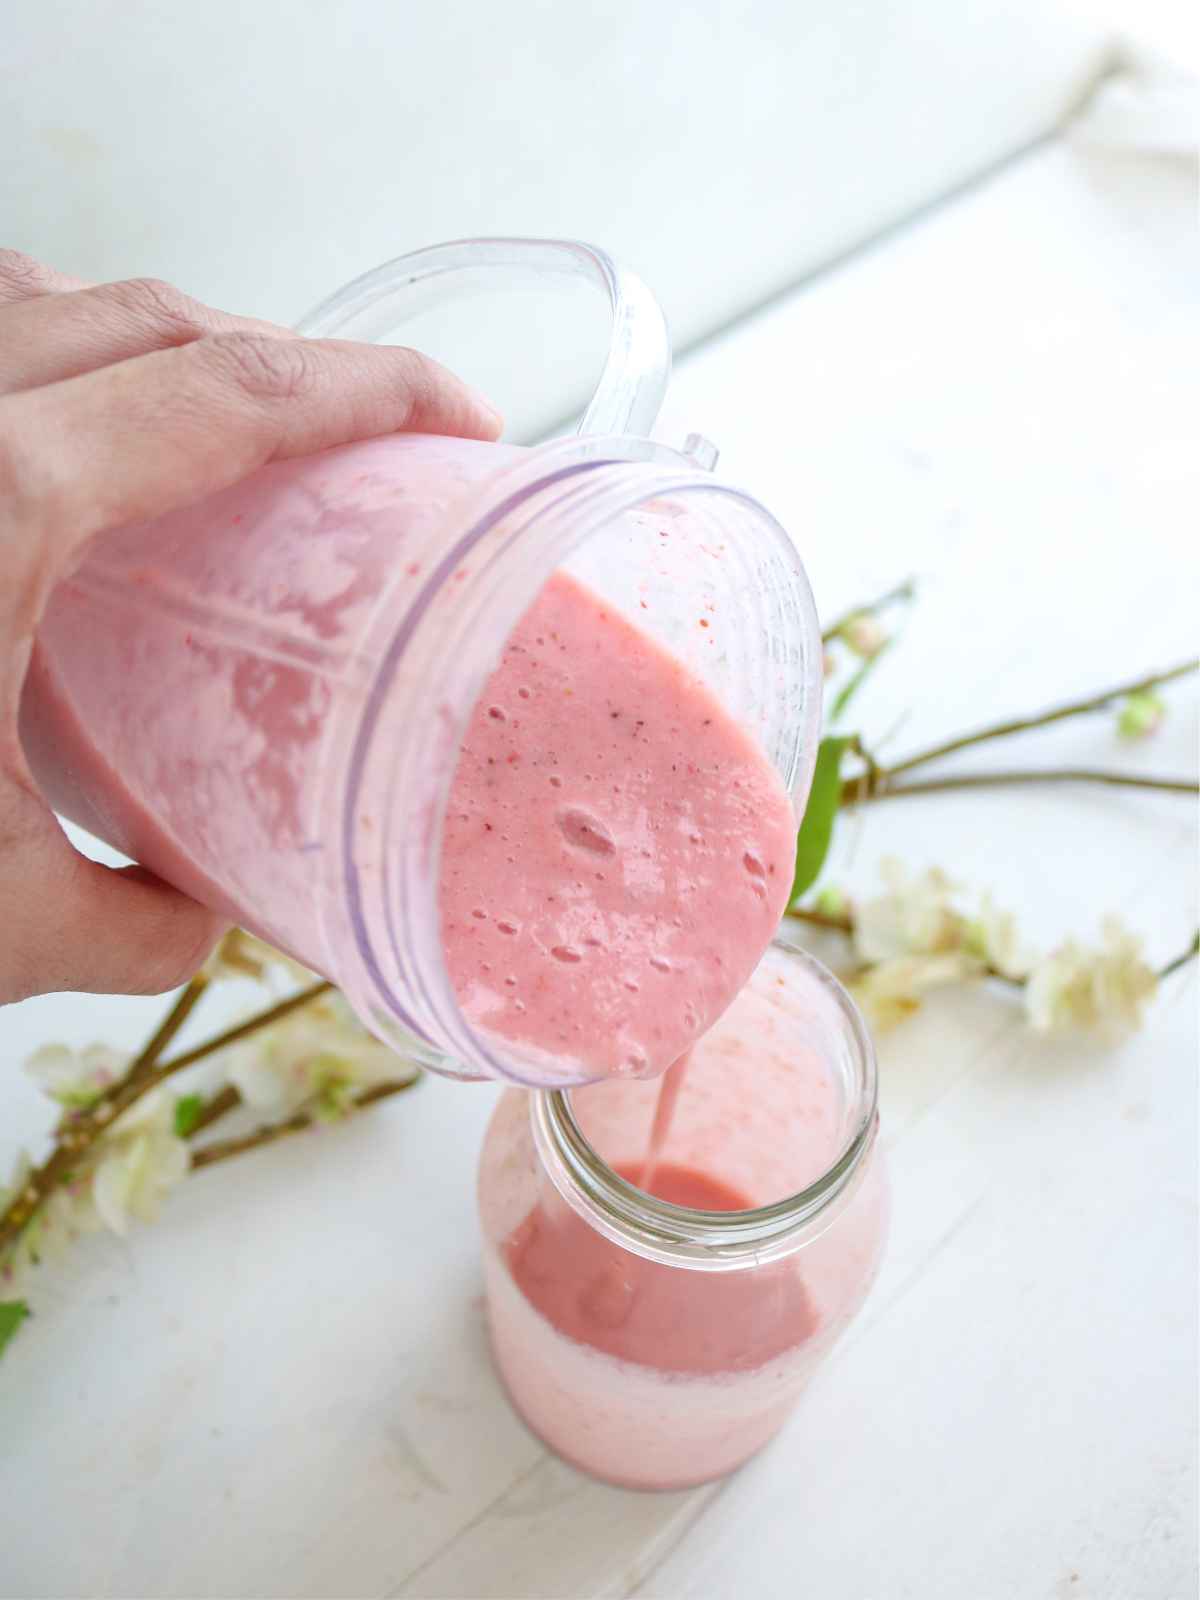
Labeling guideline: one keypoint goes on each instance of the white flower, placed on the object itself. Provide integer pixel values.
(77, 1078)
(1105, 988)
(864, 635)
(141, 1159)
(244, 955)
(915, 917)
(893, 990)
(320, 1054)
(992, 938)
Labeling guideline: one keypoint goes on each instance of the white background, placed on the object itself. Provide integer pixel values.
(260, 154)
(283, 1387)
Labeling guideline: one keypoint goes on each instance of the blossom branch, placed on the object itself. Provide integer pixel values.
(222, 1149)
(1182, 959)
(78, 1134)
(903, 591)
(884, 789)
(878, 781)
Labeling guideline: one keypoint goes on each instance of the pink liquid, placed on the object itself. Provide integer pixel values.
(658, 1317)
(648, 1177)
(617, 850)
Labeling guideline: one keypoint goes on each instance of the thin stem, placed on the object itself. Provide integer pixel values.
(218, 1105)
(175, 1018)
(1182, 959)
(222, 1149)
(902, 591)
(262, 1019)
(853, 788)
(1042, 719)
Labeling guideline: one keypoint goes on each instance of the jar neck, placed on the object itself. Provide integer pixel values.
(717, 1241)
(501, 544)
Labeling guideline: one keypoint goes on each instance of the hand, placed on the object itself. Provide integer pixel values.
(119, 402)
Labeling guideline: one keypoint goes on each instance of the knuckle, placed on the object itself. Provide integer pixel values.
(154, 301)
(418, 377)
(21, 276)
(263, 368)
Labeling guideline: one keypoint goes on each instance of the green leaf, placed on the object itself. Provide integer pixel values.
(12, 1315)
(187, 1114)
(849, 689)
(816, 830)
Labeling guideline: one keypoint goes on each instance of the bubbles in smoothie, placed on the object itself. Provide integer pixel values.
(585, 832)
(566, 952)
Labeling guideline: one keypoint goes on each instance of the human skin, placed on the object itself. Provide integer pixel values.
(119, 402)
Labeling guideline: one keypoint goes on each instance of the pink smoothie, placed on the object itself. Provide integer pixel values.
(655, 1375)
(617, 849)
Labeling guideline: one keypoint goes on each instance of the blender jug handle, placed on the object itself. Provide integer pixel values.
(634, 377)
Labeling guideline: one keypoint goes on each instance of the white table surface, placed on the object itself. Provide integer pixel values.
(282, 1388)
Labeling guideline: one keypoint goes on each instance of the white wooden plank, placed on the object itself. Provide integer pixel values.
(283, 1389)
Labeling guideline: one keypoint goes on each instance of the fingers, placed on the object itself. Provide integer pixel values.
(72, 924)
(45, 338)
(23, 278)
(136, 439)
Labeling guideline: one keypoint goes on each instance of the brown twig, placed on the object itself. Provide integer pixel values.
(175, 1018)
(884, 789)
(218, 1105)
(1043, 719)
(878, 782)
(262, 1019)
(222, 1149)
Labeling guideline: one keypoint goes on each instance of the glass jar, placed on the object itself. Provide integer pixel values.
(658, 1340)
(262, 697)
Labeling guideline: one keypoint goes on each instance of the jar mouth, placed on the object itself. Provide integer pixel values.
(716, 1240)
(512, 533)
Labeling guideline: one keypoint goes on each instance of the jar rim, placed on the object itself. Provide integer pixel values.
(714, 1240)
